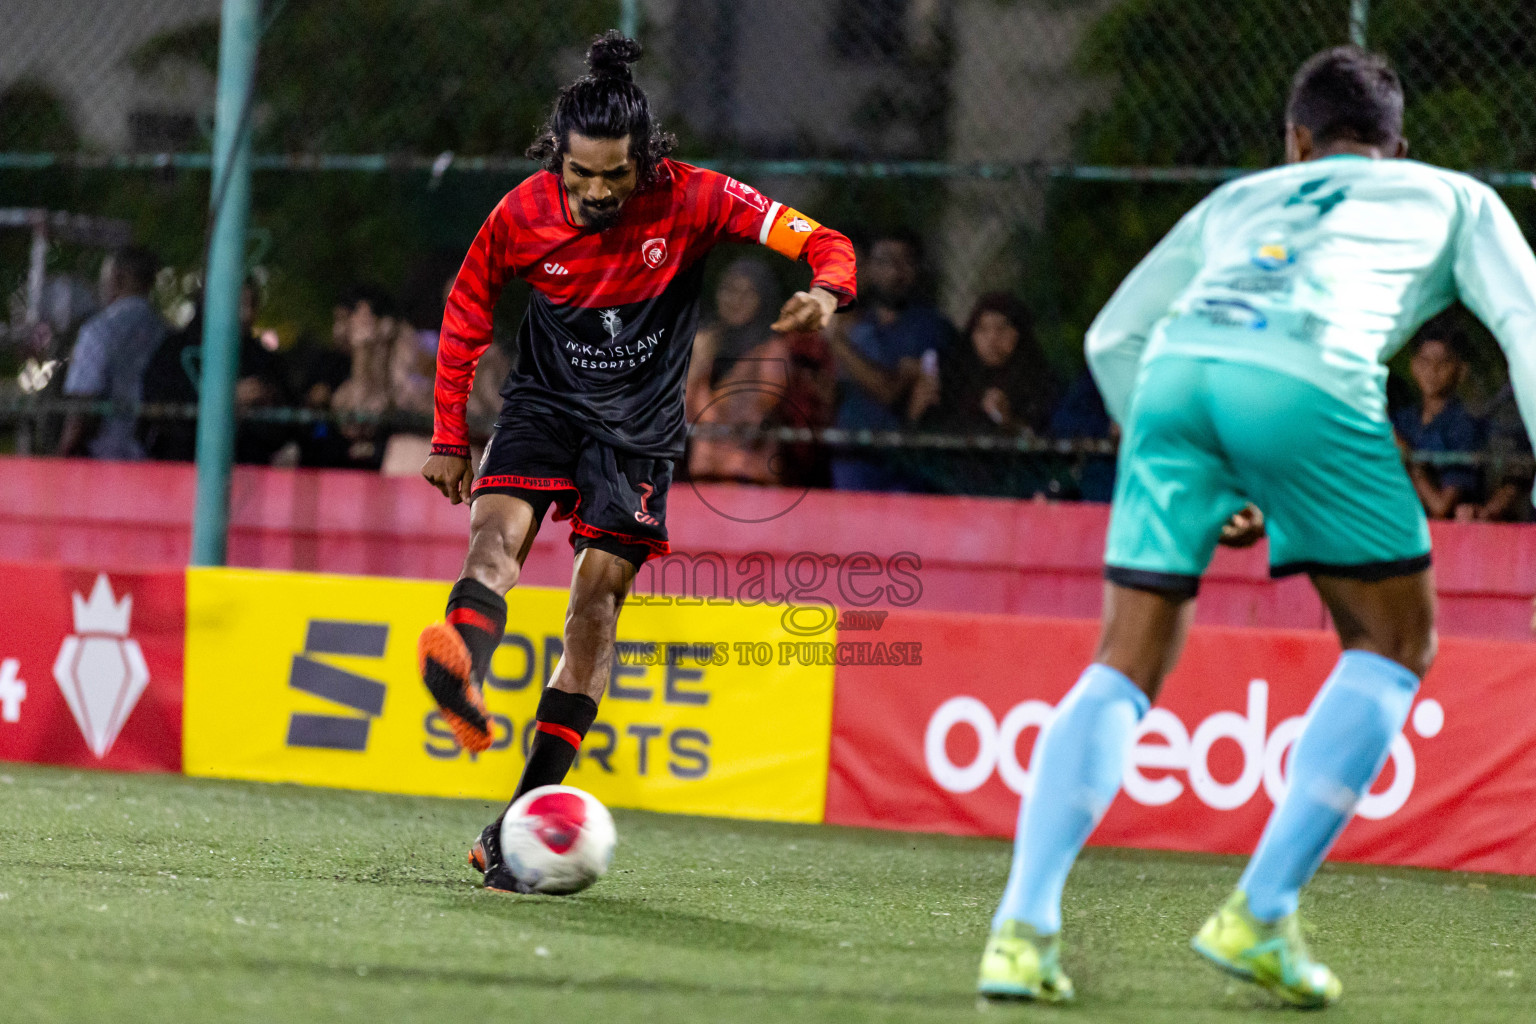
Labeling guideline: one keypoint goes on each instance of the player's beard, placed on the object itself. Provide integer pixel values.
(600, 217)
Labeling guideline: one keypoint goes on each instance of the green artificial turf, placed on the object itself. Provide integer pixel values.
(156, 898)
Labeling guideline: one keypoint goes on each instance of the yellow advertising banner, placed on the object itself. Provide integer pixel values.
(296, 677)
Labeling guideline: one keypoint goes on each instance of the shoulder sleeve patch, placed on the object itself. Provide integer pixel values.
(746, 194)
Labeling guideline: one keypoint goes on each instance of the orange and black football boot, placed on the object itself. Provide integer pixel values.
(485, 857)
(445, 668)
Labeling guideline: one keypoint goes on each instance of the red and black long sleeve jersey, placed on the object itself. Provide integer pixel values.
(609, 329)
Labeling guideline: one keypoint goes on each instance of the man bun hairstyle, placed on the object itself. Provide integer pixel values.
(605, 103)
(1348, 94)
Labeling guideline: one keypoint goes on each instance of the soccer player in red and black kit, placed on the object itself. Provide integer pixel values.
(612, 236)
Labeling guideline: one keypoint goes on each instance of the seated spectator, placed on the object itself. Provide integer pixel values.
(1081, 416)
(1440, 423)
(110, 356)
(879, 351)
(372, 332)
(996, 381)
(1508, 486)
(317, 369)
(738, 377)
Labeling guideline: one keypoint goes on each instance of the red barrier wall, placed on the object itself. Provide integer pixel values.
(91, 667)
(977, 554)
(945, 746)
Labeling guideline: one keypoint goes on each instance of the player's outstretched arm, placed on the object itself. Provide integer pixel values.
(806, 311)
(743, 214)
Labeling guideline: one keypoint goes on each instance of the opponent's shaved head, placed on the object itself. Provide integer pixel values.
(1347, 94)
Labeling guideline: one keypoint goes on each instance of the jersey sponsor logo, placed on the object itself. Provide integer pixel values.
(1274, 256)
(654, 252)
(555, 269)
(1232, 313)
(747, 194)
(611, 322)
(801, 225)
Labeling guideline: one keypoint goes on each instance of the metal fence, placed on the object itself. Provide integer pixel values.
(1037, 146)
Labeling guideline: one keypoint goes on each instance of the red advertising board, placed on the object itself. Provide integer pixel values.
(91, 667)
(946, 745)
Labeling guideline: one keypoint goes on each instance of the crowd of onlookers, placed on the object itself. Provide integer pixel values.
(893, 364)
(360, 398)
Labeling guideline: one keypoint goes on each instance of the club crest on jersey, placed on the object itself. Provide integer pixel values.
(611, 322)
(747, 194)
(654, 252)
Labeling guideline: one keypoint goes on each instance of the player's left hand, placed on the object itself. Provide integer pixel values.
(806, 311)
(1244, 529)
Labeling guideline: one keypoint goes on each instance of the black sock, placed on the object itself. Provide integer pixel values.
(480, 616)
(563, 719)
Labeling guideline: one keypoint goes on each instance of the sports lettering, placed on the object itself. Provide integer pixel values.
(642, 673)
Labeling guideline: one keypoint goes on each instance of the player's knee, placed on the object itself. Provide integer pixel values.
(492, 562)
(1419, 652)
(1413, 649)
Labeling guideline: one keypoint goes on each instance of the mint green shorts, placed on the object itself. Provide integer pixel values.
(1205, 437)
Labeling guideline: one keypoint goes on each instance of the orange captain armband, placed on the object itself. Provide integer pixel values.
(786, 231)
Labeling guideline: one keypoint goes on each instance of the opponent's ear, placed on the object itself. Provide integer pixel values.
(1400, 151)
(1299, 145)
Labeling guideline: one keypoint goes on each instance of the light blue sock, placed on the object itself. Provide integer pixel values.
(1076, 773)
(1340, 752)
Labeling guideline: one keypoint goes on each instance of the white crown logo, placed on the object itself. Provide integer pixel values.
(102, 613)
(101, 669)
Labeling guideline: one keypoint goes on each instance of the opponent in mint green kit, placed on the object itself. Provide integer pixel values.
(1243, 358)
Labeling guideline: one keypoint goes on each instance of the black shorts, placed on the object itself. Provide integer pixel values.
(616, 502)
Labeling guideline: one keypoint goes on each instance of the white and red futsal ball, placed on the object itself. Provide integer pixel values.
(557, 839)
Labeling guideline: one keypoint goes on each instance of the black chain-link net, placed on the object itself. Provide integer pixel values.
(1035, 146)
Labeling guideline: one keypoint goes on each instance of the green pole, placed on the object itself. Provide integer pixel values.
(229, 205)
(1359, 15)
(629, 18)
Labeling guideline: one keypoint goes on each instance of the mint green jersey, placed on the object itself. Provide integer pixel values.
(1322, 270)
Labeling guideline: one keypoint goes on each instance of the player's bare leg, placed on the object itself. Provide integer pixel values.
(1076, 772)
(455, 654)
(1143, 634)
(1387, 630)
(600, 582)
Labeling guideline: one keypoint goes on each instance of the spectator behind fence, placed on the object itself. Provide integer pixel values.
(879, 352)
(174, 376)
(1440, 423)
(317, 368)
(1081, 416)
(995, 381)
(738, 377)
(1508, 486)
(998, 383)
(110, 356)
(373, 334)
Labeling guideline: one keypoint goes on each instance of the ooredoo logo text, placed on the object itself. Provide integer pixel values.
(1179, 757)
